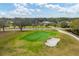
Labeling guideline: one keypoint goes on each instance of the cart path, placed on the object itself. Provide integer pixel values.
(67, 33)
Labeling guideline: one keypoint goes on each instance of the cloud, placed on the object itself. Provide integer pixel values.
(2, 14)
(19, 11)
(75, 8)
(55, 7)
(34, 10)
(5, 14)
(20, 4)
(22, 10)
(67, 10)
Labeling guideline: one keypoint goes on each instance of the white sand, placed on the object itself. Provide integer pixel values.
(52, 42)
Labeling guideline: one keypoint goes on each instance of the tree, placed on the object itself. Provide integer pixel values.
(20, 22)
(75, 26)
(3, 24)
(64, 24)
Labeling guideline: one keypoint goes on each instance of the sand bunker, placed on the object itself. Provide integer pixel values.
(52, 42)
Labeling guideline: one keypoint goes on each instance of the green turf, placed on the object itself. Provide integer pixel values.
(40, 35)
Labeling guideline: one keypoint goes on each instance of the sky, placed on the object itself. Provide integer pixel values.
(30, 10)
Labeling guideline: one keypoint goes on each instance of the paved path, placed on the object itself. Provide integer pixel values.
(24, 29)
(70, 34)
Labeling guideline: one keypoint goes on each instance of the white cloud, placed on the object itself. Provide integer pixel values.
(68, 10)
(21, 10)
(55, 7)
(2, 14)
(75, 8)
(37, 10)
(34, 10)
(19, 4)
(5, 14)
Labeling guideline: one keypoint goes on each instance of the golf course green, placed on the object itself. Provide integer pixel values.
(40, 35)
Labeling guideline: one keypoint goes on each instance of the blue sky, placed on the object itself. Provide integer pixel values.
(39, 10)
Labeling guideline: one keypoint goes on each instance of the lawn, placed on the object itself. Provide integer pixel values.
(31, 43)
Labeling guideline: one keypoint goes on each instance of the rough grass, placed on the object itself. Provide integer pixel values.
(17, 43)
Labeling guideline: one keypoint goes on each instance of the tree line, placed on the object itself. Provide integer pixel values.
(57, 22)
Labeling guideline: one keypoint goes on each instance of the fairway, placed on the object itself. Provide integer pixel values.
(40, 35)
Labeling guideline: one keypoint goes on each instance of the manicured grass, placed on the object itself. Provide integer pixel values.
(40, 35)
(32, 43)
